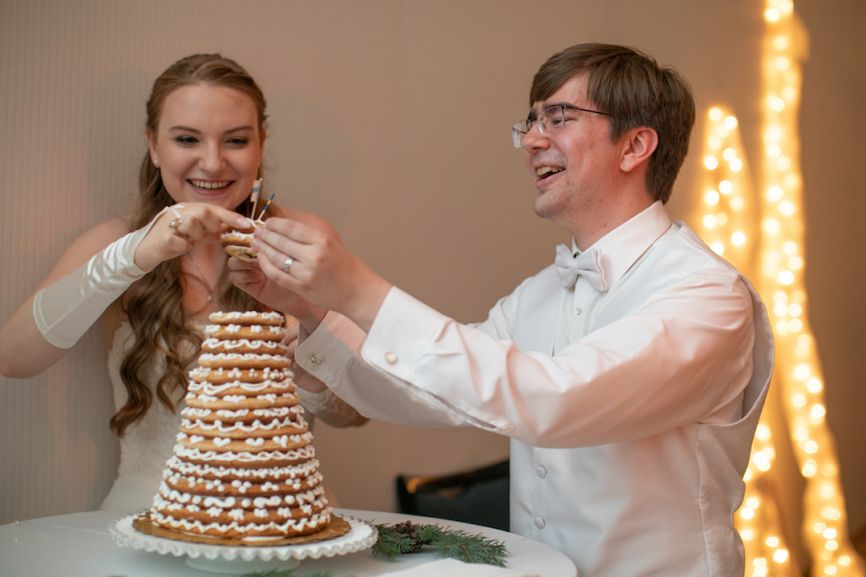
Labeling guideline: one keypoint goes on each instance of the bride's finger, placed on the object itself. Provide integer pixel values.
(209, 219)
(194, 228)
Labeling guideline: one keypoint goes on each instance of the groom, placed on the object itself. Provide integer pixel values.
(629, 374)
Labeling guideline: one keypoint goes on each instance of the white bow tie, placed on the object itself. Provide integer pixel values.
(587, 264)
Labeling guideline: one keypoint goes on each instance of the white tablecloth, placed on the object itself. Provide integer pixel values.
(79, 545)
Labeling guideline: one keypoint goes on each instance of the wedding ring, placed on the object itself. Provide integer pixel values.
(178, 218)
(287, 264)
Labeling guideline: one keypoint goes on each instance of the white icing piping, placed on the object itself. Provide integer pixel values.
(307, 468)
(204, 373)
(198, 413)
(234, 329)
(211, 389)
(234, 357)
(280, 440)
(306, 452)
(246, 315)
(298, 500)
(313, 522)
(269, 399)
(220, 427)
(219, 344)
(175, 480)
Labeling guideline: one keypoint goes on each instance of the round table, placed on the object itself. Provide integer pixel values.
(79, 545)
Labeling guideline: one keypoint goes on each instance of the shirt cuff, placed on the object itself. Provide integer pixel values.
(326, 351)
(397, 345)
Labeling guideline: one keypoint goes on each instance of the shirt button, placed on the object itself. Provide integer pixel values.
(539, 522)
(540, 471)
(315, 359)
(578, 310)
(390, 357)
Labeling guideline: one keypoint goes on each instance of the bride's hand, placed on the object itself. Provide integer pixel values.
(179, 227)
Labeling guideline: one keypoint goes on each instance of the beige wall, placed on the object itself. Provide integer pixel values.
(391, 118)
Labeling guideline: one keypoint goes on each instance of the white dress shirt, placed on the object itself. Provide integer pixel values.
(630, 412)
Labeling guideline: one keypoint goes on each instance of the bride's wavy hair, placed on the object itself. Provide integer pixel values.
(154, 304)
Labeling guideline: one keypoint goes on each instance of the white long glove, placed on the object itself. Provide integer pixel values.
(64, 310)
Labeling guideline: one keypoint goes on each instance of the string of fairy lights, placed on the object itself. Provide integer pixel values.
(727, 218)
(726, 224)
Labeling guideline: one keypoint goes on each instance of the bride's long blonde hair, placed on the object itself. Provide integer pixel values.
(154, 304)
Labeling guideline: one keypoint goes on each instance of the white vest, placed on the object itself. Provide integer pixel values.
(661, 505)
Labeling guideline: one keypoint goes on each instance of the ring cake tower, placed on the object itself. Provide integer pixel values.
(243, 468)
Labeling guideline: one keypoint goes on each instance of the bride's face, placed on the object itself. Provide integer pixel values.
(208, 145)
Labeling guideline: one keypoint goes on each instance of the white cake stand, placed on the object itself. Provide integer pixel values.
(238, 560)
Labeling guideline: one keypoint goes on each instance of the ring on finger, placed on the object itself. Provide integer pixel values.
(178, 218)
(287, 264)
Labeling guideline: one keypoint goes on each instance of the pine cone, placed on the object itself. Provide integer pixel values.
(411, 531)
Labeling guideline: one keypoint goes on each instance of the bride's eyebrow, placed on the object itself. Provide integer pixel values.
(182, 128)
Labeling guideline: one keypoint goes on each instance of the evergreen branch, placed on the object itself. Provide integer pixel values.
(392, 543)
(407, 537)
(469, 548)
(284, 573)
(429, 533)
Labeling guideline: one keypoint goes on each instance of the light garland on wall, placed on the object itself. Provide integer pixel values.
(725, 189)
(728, 218)
(798, 371)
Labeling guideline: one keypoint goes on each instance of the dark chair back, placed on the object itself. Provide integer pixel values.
(478, 496)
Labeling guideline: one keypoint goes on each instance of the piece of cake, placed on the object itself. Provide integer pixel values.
(243, 467)
(237, 243)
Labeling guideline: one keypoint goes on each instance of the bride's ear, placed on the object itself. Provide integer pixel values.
(151, 146)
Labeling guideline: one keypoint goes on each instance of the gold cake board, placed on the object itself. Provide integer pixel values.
(336, 528)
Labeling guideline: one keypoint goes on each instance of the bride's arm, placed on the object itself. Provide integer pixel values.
(24, 350)
(92, 275)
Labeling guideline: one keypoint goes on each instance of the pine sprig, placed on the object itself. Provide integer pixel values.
(396, 540)
(470, 548)
(284, 573)
(408, 537)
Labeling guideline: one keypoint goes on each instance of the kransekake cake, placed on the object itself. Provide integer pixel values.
(243, 469)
